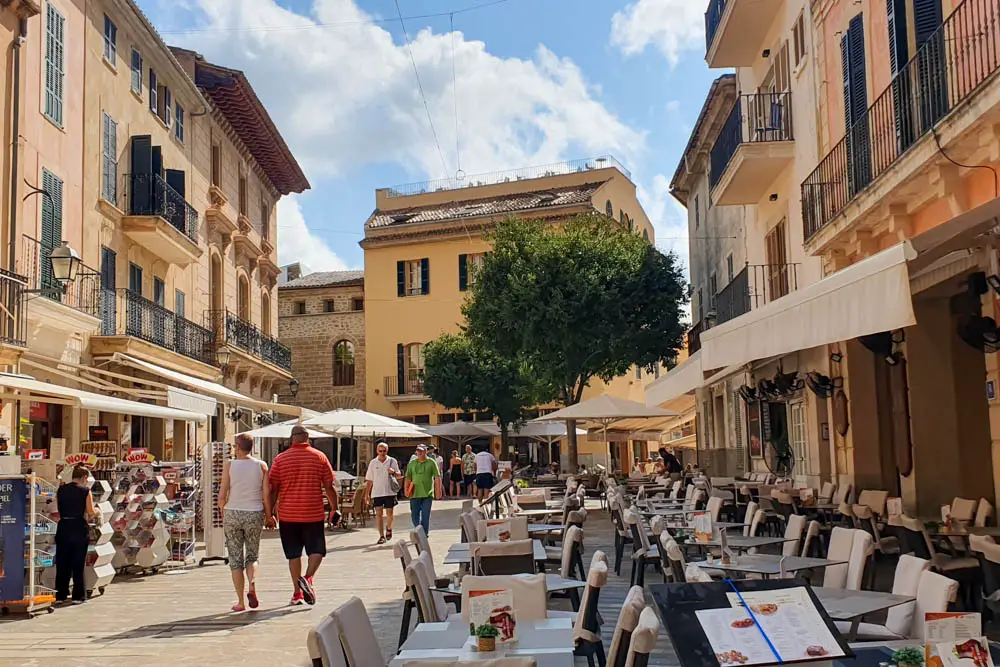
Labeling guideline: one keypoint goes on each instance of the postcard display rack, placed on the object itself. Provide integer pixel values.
(99, 571)
(141, 537)
(748, 623)
(214, 457)
(182, 494)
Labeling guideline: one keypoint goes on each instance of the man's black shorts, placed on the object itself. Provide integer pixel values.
(484, 481)
(298, 536)
(469, 480)
(387, 502)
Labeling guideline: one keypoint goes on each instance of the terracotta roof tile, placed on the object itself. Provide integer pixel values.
(325, 279)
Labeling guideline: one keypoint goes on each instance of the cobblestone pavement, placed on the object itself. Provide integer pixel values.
(182, 617)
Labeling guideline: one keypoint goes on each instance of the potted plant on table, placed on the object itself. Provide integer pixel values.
(910, 656)
(486, 637)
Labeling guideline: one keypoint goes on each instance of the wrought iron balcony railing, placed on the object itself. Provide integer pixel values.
(753, 287)
(83, 294)
(713, 17)
(950, 66)
(759, 118)
(13, 323)
(413, 383)
(150, 194)
(694, 337)
(126, 313)
(231, 329)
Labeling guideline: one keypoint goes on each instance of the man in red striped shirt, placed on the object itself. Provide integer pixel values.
(299, 477)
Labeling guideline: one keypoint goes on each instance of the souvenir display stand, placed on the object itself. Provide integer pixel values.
(107, 453)
(99, 571)
(214, 457)
(179, 517)
(141, 538)
(37, 547)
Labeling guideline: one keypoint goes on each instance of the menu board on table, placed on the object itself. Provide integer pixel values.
(494, 608)
(701, 523)
(498, 531)
(769, 627)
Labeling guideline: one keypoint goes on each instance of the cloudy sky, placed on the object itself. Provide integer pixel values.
(507, 83)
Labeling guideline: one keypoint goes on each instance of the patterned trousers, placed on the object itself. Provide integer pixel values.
(242, 537)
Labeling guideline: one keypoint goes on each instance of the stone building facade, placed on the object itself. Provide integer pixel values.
(321, 318)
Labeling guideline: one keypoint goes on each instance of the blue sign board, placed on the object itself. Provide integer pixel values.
(13, 515)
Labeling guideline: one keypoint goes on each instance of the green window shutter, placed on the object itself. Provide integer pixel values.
(400, 369)
(400, 278)
(425, 276)
(51, 225)
(463, 272)
(55, 54)
(109, 160)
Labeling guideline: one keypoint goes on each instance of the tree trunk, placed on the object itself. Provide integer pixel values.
(571, 453)
(504, 436)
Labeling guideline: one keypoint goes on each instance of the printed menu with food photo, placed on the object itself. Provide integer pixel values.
(498, 531)
(494, 608)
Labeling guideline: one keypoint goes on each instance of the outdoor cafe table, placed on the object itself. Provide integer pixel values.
(458, 554)
(538, 512)
(853, 606)
(768, 566)
(739, 542)
(544, 527)
(963, 531)
(549, 642)
(554, 583)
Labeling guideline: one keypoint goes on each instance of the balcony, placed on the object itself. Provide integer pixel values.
(412, 389)
(129, 317)
(754, 146)
(753, 287)
(955, 64)
(244, 336)
(71, 308)
(13, 323)
(694, 337)
(735, 30)
(158, 218)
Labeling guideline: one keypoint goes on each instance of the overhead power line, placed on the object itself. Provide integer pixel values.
(337, 24)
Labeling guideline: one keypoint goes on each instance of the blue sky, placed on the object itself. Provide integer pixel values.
(535, 82)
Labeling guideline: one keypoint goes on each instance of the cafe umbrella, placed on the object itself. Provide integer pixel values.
(355, 423)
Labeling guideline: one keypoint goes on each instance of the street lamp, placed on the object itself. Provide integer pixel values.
(293, 387)
(222, 356)
(65, 263)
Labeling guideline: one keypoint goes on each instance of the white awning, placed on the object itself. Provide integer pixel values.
(683, 378)
(217, 391)
(865, 298)
(40, 391)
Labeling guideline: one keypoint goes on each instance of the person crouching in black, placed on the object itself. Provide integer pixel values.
(75, 506)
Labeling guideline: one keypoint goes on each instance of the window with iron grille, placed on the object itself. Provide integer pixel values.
(136, 82)
(55, 63)
(343, 364)
(109, 159)
(110, 40)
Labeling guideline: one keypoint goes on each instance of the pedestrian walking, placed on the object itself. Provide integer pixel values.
(486, 470)
(423, 485)
(76, 507)
(455, 474)
(298, 479)
(246, 501)
(381, 486)
(469, 471)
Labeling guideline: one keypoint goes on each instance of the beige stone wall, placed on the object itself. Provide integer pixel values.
(312, 337)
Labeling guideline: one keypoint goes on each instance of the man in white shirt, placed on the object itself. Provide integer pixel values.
(486, 468)
(382, 470)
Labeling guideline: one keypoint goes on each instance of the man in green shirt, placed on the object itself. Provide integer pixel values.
(423, 485)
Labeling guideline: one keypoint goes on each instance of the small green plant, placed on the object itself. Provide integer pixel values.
(908, 656)
(521, 483)
(487, 631)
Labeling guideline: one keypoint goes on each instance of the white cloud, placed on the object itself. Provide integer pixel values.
(345, 96)
(672, 26)
(669, 218)
(297, 244)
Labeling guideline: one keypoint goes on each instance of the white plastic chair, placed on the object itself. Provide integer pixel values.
(748, 517)
(841, 543)
(323, 643)
(983, 513)
(793, 535)
(899, 622)
(861, 551)
(714, 506)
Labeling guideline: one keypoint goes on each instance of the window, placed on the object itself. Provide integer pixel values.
(609, 210)
(136, 72)
(799, 39)
(109, 160)
(645, 235)
(468, 267)
(216, 165)
(55, 60)
(797, 433)
(265, 313)
(243, 194)
(153, 92)
(357, 304)
(135, 279)
(775, 252)
(179, 304)
(701, 305)
(413, 277)
(159, 292)
(51, 225)
(638, 372)
(713, 290)
(166, 106)
(265, 219)
(697, 213)
(299, 308)
(729, 268)
(179, 121)
(413, 356)
(110, 40)
(343, 364)
(329, 306)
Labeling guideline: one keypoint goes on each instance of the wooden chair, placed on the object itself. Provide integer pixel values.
(514, 557)
(518, 528)
(323, 644)
(983, 513)
(628, 619)
(643, 641)
(360, 645)
(587, 629)
(899, 622)
(355, 509)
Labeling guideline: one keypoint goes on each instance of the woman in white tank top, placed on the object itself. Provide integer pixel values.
(245, 500)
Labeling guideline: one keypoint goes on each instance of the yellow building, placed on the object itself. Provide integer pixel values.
(419, 245)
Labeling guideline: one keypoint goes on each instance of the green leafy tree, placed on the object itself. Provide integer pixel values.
(463, 375)
(582, 300)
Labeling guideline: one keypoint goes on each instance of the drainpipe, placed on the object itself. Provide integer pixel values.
(15, 143)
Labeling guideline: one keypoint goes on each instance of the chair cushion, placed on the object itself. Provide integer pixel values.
(947, 564)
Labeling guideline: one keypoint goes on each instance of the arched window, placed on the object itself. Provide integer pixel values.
(243, 298)
(622, 218)
(645, 234)
(609, 209)
(265, 313)
(414, 360)
(630, 222)
(343, 364)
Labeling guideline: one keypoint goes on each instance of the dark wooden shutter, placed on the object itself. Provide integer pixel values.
(157, 160)
(425, 276)
(400, 369)
(927, 18)
(141, 190)
(852, 49)
(400, 278)
(175, 179)
(899, 50)
(51, 225)
(463, 272)
(153, 92)
(931, 61)
(109, 265)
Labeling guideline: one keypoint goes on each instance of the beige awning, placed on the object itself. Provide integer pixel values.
(682, 379)
(45, 392)
(870, 296)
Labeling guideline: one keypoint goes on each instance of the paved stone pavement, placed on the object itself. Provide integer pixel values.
(182, 617)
